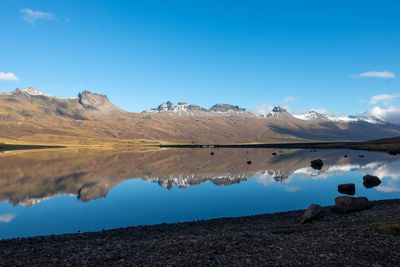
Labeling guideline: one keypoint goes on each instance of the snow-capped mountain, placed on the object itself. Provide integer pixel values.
(29, 92)
(183, 108)
(314, 115)
(278, 113)
(311, 115)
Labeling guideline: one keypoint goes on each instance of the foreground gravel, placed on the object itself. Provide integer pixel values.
(271, 239)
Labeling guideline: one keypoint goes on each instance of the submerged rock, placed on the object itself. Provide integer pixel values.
(344, 204)
(371, 181)
(317, 164)
(313, 213)
(348, 189)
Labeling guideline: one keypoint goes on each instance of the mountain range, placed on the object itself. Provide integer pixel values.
(31, 116)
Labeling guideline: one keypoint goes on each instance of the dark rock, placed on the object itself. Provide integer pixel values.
(345, 156)
(249, 162)
(344, 204)
(274, 153)
(393, 152)
(313, 213)
(348, 189)
(317, 164)
(361, 156)
(371, 181)
(212, 153)
(109, 255)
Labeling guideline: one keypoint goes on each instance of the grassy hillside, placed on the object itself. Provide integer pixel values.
(44, 121)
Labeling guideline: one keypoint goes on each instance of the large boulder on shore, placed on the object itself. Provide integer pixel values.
(317, 164)
(348, 189)
(344, 204)
(313, 213)
(371, 181)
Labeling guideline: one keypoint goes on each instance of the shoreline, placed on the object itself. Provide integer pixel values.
(375, 145)
(11, 147)
(267, 239)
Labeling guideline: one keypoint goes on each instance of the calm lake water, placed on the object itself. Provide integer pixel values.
(70, 190)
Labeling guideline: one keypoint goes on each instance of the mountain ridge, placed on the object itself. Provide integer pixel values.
(32, 117)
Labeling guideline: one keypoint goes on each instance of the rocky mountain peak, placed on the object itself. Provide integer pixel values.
(166, 106)
(92, 100)
(97, 103)
(183, 108)
(278, 112)
(278, 109)
(17, 91)
(226, 108)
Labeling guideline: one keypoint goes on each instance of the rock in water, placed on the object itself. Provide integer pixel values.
(371, 181)
(317, 164)
(348, 189)
(344, 204)
(313, 213)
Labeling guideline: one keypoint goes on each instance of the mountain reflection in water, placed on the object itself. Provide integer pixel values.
(29, 177)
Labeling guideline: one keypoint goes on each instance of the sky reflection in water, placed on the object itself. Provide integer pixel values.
(68, 191)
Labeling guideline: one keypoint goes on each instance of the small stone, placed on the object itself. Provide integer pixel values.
(249, 162)
(348, 189)
(109, 255)
(212, 153)
(371, 181)
(317, 164)
(313, 213)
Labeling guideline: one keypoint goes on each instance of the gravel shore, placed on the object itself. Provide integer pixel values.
(270, 239)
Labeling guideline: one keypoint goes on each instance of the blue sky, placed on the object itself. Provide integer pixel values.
(256, 54)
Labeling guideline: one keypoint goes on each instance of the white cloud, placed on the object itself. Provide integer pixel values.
(6, 218)
(377, 74)
(290, 99)
(8, 76)
(385, 98)
(32, 16)
(390, 114)
(262, 109)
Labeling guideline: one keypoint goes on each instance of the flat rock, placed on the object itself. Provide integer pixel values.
(348, 189)
(313, 213)
(371, 181)
(344, 204)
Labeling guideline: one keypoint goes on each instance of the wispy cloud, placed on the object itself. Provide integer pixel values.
(6, 218)
(290, 99)
(32, 16)
(385, 98)
(262, 109)
(8, 76)
(377, 74)
(390, 114)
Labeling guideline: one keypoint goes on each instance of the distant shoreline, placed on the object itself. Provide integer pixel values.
(10, 147)
(389, 145)
(376, 145)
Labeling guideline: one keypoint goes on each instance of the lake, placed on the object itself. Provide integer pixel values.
(59, 191)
